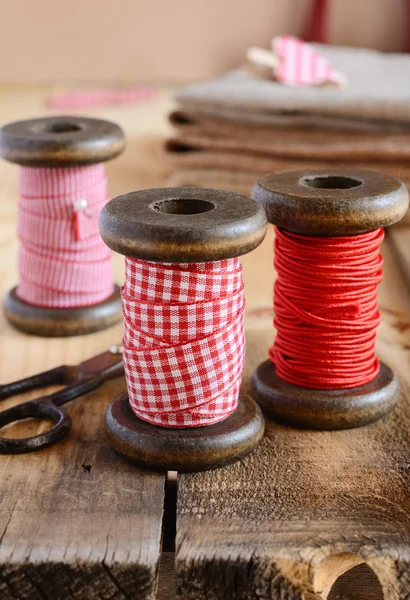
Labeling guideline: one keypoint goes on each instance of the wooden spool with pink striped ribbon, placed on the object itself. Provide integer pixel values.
(66, 283)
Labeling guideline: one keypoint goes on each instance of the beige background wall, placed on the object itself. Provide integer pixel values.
(172, 40)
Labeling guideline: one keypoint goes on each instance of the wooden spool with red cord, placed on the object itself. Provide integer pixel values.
(319, 206)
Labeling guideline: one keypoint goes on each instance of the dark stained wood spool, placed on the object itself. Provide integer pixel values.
(331, 203)
(321, 409)
(182, 224)
(177, 225)
(62, 322)
(190, 449)
(328, 203)
(61, 141)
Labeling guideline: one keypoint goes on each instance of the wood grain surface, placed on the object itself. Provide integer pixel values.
(76, 520)
(266, 526)
(309, 515)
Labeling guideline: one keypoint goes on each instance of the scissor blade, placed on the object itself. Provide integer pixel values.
(106, 365)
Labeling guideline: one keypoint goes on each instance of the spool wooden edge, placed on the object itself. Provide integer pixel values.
(188, 449)
(94, 141)
(133, 225)
(378, 200)
(62, 322)
(324, 409)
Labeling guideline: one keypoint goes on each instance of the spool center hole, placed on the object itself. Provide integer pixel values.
(183, 206)
(60, 127)
(331, 182)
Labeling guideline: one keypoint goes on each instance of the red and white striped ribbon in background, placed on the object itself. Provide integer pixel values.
(63, 262)
(184, 345)
(299, 64)
(100, 97)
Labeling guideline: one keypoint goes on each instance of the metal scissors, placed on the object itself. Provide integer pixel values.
(79, 379)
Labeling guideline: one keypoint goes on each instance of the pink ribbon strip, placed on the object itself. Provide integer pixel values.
(63, 262)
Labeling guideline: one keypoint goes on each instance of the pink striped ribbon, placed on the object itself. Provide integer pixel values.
(63, 263)
(301, 65)
(89, 98)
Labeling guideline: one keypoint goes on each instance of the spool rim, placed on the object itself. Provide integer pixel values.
(62, 322)
(188, 449)
(324, 409)
(182, 225)
(353, 201)
(60, 141)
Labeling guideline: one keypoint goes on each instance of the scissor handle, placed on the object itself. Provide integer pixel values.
(43, 408)
(53, 376)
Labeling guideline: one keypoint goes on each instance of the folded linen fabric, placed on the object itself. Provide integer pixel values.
(291, 142)
(378, 89)
(213, 173)
(191, 120)
(229, 131)
(220, 158)
(284, 118)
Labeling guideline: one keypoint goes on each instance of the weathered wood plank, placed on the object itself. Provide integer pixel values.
(264, 527)
(76, 521)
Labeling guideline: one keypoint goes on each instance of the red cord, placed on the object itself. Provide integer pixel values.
(315, 31)
(326, 313)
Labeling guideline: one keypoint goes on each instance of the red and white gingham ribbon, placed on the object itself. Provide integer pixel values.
(299, 64)
(184, 340)
(63, 262)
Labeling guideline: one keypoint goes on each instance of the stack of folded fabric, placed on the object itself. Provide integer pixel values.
(229, 131)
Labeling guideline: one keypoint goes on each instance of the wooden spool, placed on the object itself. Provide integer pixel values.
(63, 141)
(180, 225)
(328, 203)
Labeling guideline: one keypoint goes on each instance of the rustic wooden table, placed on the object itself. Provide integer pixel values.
(309, 515)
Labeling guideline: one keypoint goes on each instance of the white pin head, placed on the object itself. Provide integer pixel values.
(80, 205)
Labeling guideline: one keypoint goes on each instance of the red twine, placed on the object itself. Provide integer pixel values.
(63, 262)
(184, 340)
(326, 314)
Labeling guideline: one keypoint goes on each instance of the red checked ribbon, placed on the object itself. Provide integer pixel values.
(63, 262)
(184, 340)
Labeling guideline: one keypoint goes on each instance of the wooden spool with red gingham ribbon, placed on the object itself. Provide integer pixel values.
(189, 229)
(55, 145)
